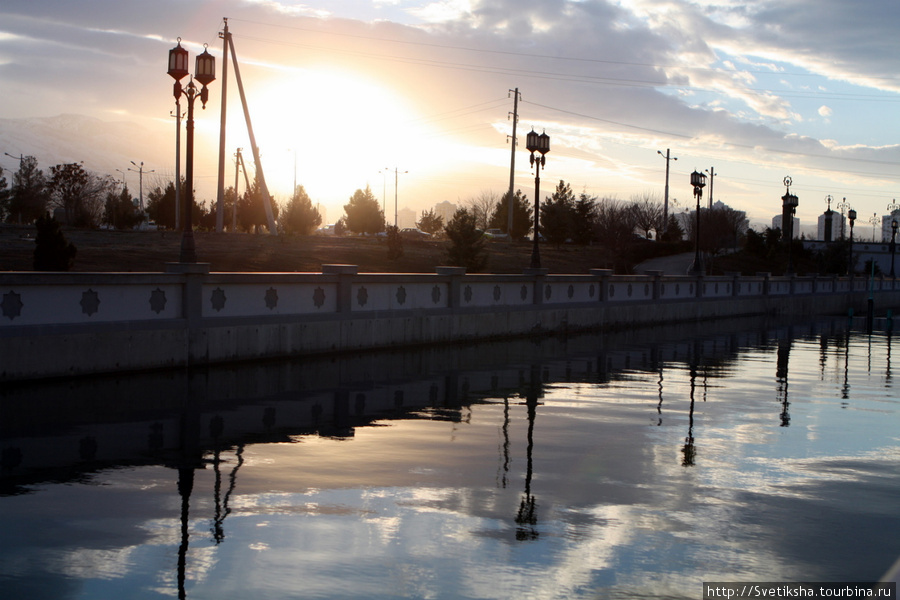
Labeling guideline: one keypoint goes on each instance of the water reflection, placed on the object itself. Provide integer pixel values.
(295, 462)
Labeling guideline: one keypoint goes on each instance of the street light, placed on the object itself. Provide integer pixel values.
(874, 221)
(698, 180)
(851, 214)
(842, 206)
(205, 73)
(537, 143)
(829, 221)
(789, 204)
(893, 243)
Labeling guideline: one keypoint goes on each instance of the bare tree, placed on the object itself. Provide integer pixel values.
(482, 207)
(648, 213)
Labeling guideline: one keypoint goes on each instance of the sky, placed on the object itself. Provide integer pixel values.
(414, 98)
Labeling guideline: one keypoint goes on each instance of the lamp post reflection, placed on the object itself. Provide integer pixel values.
(526, 517)
(781, 377)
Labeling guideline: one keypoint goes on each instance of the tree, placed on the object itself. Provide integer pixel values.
(161, 205)
(467, 247)
(4, 195)
(79, 193)
(119, 211)
(394, 242)
(615, 229)
(482, 207)
(672, 233)
(300, 216)
(558, 214)
(52, 252)
(430, 222)
(251, 209)
(585, 219)
(648, 213)
(522, 213)
(363, 214)
(28, 198)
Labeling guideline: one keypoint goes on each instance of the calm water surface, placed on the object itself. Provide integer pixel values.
(620, 466)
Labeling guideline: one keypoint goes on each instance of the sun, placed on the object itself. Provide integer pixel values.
(335, 129)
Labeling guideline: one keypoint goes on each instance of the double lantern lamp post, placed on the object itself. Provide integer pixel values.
(698, 181)
(205, 73)
(893, 243)
(789, 204)
(537, 143)
(851, 214)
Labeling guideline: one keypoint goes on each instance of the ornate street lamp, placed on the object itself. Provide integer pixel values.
(842, 206)
(829, 221)
(893, 243)
(205, 73)
(789, 204)
(698, 180)
(537, 143)
(851, 214)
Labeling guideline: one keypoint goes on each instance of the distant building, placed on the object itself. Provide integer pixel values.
(445, 210)
(406, 217)
(776, 224)
(838, 226)
(886, 230)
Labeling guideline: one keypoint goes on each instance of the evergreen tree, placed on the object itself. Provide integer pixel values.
(119, 211)
(300, 216)
(522, 214)
(251, 209)
(558, 214)
(585, 219)
(363, 214)
(394, 242)
(467, 246)
(52, 252)
(28, 198)
(430, 222)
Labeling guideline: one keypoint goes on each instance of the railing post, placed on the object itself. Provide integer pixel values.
(455, 274)
(345, 275)
(603, 276)
(765, 276)
(656, 275)
(192, 300)
(538, 286)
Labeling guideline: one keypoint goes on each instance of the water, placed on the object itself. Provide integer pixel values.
(631, 465)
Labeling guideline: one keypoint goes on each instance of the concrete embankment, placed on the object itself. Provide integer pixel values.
(56, 325)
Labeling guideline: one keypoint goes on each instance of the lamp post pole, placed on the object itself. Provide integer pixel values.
(851, 214)
(205, 73)
(893, 243)
(537, 143)
(842, 206)
(698, 180)
(788, 209)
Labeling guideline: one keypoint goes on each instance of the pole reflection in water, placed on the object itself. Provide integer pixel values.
(388, 475)
(526, 517)
(781, 377)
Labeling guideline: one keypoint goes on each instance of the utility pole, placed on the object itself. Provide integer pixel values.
(178, 116)
(140, 171)
(712, 176)
(512, 162)
(668, 157)
(396, 173)
(220, 190)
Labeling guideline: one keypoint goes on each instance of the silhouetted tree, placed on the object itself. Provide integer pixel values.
(363, 214)
(648, 213)
(161, 205)
(52, 252)
(79, 193)
(522, 213)
(615, 230)
(28, 197)
(585, 214)
(467, 246)
(251, 209)
(119, 211)
(394, 242)
(300, 216)
(4, 195)
(430, 222)
(481, 207)
(558, 214)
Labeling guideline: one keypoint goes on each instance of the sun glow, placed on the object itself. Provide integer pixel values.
(335, 129)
